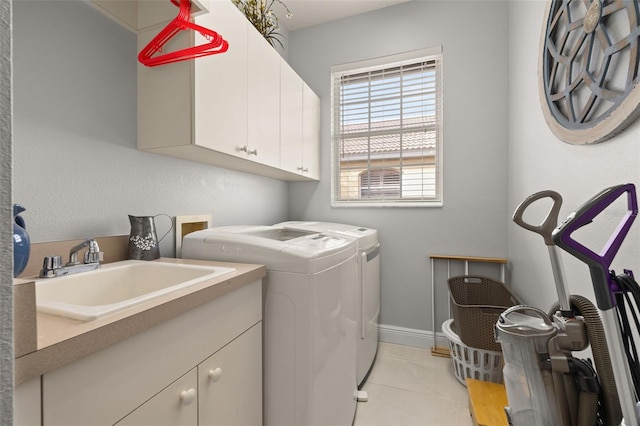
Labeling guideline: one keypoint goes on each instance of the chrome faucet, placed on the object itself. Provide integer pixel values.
(93, 254)
(52, 265)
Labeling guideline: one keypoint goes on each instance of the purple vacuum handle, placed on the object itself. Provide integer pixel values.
(598, 262)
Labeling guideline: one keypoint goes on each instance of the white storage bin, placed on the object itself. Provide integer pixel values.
(471, 362)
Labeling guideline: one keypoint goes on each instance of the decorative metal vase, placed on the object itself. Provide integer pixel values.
(143, 240)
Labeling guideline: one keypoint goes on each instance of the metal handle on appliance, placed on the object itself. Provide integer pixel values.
(545, 229)
(373, 252)
(550, 222)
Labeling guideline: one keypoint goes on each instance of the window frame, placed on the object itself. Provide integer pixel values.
(390, 61)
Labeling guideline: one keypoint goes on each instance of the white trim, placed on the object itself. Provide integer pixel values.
(356, 204)
(410, 336)
(399, 58)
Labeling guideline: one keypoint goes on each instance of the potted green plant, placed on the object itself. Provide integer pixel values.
(260, 14)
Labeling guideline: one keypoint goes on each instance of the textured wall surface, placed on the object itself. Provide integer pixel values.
(539, 161)
(6, 239)
(76, 167)
(473, 221)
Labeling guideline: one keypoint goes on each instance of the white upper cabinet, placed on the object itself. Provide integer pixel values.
(290, 119)
(310, 133)
(299, 125)
(243, 109)
(264, 100)
(220, 84)
(141, 15)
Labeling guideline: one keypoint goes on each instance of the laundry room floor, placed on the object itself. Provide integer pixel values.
(410, 387)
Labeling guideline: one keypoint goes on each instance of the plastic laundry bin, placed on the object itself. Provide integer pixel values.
(472, 363)
(477, 302)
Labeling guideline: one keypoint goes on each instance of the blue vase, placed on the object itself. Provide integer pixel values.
(21, 243)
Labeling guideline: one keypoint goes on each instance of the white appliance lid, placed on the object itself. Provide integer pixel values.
(276, 247)
(367, 237)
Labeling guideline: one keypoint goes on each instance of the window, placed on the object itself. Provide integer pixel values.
(380, 183)
(387, 131)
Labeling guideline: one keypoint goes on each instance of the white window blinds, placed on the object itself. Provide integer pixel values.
(387, 131)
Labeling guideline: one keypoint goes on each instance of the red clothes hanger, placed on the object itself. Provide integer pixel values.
(215, 43)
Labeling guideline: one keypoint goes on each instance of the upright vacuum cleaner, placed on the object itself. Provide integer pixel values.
(545, 384)
(613, 293)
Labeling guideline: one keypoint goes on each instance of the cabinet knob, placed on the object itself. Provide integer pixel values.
(303, 169)
(215, 374)
(246, 149)
(188, 396)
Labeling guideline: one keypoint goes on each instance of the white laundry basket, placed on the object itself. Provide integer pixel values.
(471, 362)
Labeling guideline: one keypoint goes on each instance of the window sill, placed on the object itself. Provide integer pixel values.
(392, 204)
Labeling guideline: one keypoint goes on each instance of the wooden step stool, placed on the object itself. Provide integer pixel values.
(486, 403)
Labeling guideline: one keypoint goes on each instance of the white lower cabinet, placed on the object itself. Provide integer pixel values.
(27, 406)
(174, 405)
(230, 383)
(214, 393)
(203, 367)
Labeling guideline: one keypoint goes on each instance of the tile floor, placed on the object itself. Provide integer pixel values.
(409, 387)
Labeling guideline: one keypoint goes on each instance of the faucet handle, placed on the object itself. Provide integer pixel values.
(49, 266)
(93, 257)
(93, 254)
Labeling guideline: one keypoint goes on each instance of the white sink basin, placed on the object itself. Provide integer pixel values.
(116, 286)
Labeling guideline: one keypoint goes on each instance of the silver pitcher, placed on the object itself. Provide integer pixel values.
(143, 240)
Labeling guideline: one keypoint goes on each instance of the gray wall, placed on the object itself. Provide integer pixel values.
(76, 168)
(474, 218)
(538, 161)
(6, 239)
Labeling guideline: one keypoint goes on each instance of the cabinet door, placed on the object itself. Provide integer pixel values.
(220, 83)
(141, 16)
(264, 101)
(106, 385)
(175, 405)
(230, 382)
(310, 133)
(165, 101)
(290, 119)
(27, 409)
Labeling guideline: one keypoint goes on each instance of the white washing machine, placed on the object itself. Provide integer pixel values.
(368, 286)
(309, 317)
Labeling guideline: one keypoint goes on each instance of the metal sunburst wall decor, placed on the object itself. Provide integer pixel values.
(589, 66)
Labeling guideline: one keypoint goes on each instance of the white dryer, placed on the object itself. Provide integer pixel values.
(309, 317)
(368, 286)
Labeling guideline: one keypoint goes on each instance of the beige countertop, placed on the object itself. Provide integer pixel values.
(61, 341)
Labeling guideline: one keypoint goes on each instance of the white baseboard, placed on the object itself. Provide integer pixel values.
(410, 337)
